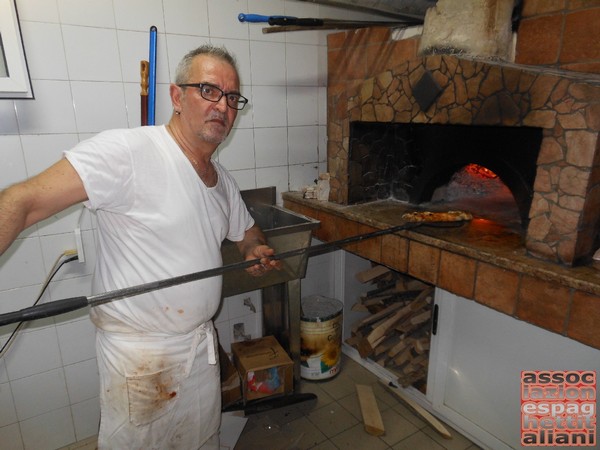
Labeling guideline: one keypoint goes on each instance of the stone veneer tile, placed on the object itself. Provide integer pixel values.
(394, 252)
(543, 303)
(539, 40)
(584, 319)
(423, 261)
(457, 274)
(496, 287)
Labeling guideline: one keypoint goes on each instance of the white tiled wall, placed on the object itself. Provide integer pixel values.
(84, 57)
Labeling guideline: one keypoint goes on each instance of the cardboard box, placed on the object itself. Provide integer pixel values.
(231, 387)
(264, 367)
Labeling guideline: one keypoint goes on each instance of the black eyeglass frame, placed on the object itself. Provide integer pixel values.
(241, 100)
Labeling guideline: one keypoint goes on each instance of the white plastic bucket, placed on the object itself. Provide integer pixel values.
(320, 337)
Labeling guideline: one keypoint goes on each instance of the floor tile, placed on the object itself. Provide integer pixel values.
(357, 438)
(418, 441)
(332, 419)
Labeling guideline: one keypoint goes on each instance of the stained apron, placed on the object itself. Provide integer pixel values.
(158, 391)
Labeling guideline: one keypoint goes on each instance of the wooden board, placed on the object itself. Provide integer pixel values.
(436, 424)
(370, 411)
(371, 274)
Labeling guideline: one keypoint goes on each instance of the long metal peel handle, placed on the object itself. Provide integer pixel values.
(71, 304)
(44, 310)
(258, 18)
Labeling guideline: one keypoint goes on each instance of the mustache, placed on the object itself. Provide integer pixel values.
(218, 116)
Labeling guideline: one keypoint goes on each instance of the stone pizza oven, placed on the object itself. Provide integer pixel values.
(548, 82)
(373, 78)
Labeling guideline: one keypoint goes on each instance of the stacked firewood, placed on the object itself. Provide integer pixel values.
(397, 333)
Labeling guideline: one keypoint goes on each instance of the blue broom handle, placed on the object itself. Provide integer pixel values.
(152, 77)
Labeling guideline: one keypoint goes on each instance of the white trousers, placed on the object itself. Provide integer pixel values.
(158, 391)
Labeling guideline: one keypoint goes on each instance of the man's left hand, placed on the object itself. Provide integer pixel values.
(264, 253)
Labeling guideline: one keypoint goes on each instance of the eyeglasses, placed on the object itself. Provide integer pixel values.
(214, 94)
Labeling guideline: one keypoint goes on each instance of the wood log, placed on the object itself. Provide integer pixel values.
(370, 411)
(371, 274)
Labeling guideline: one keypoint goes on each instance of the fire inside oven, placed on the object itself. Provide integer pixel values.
(487, 170)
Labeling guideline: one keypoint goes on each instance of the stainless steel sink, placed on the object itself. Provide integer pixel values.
(285, 230)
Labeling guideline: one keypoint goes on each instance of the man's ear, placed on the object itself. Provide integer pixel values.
(176, 93)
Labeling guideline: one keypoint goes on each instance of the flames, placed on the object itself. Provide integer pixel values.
(480, 171)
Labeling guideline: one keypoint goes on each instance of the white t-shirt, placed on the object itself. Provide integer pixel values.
(156, 220)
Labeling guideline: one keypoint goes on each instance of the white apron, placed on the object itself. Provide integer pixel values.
(158, 391)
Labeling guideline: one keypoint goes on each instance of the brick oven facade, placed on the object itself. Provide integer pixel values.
(554, 85)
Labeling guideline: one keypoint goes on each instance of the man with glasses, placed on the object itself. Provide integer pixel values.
(163, 208)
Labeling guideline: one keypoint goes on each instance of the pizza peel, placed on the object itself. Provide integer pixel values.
(57, 307)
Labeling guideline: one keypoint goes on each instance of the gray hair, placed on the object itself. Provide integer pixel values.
(183, 69)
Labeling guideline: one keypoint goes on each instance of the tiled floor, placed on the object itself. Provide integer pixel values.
(334, 420)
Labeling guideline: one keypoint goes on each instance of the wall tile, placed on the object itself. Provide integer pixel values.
(8, 124)
(139, 15)
(539, 40)
(185, 17)
(83, 382)
(302, 175)
(86, 418)
(92, 53)
(268, 63)
(271, 146)
(10, 436)
(238, 152)
(43, 150)
(581, 38)
(584, 318)
(44, 43)
(99, 106)
(369, 248)
(269, 106)
(12, 168)
(302, 105)
(396, 252)
(8, 413)
(51, 112)
(246, 179)
(40, 393)
(273, 176)
(48, 431)
(22, 264)
(303, 144)
(555, 299)
(91, 13)
(134, 46)
(457, 274)
(33, 352)
(423, 262)
(496, 287)
(302, 68)
(38, 11)
(223, 18)
(77, 341)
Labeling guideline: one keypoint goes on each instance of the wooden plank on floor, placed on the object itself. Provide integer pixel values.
(436, 424)
(370, 411)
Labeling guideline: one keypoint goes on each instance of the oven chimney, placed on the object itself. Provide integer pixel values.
(480, 28)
